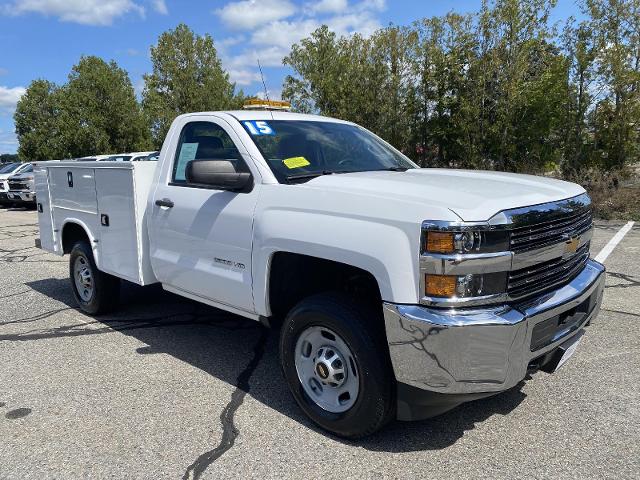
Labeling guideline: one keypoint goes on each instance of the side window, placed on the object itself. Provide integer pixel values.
(204, 141)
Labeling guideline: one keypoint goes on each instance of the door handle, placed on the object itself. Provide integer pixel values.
(165, 202)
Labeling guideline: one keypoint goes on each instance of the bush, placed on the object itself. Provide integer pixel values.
(615, 194)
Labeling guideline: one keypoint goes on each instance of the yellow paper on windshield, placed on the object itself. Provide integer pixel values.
(296, 162)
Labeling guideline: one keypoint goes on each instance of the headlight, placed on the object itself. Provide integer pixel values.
(464, 286)
(466, 241)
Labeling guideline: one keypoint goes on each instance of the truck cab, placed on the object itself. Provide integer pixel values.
(399, 291)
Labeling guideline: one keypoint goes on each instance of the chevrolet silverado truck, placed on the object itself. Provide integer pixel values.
(22, 187)
(400, 292)
(6, 171)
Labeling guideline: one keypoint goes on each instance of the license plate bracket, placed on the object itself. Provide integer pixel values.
(562, 353)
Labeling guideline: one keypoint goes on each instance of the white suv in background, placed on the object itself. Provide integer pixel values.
(7, 171)
(22, 189)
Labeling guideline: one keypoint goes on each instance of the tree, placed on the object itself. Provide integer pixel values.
(616, 119)
(187, 77)
(37, 122)
(9, 158)
(99, 113)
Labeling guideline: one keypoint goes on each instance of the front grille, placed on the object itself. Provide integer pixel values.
(546, 275)
(549, 233)
(16, 185)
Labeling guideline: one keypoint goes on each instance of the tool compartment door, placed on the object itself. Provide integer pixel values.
(117, 223)
(45, 216)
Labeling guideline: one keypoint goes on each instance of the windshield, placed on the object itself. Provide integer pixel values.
(9, 168)
(302, 149)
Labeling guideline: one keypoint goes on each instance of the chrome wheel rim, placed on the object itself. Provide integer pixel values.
(327, 369)
(83, 278)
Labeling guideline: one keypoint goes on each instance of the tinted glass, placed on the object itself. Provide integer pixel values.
(299, 147)
(8, 168)
(204, 141)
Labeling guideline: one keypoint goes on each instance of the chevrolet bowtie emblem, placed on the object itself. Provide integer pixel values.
(571, 246)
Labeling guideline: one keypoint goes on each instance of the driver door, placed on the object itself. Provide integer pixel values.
(201, 238)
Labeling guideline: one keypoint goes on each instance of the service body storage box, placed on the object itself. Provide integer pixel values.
(108, 201)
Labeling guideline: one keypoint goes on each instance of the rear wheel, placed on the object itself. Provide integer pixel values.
(335, 360)
(96, 292)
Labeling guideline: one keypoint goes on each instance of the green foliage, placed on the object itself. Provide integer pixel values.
(9, 158)
(95, 112)
(187, 77)
(498, 89)
(99, 111)
(37, 122)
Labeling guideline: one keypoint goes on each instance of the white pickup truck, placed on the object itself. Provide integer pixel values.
(402, 291)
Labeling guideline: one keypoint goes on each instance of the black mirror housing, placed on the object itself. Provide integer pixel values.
(219, 174)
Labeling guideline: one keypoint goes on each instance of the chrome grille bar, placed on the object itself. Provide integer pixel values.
(537, 236)
(546, 275)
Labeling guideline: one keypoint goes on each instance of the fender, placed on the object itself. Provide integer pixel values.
(381, 249)
(93, 241)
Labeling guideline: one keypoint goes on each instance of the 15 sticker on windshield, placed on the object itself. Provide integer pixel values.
(259, 127)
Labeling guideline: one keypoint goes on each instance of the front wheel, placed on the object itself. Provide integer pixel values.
(96, 292)
(334, 357)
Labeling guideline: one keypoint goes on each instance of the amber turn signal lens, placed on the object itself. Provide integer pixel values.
(440, 285)
(439, 242)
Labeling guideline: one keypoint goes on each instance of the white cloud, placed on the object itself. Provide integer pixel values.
(231, 41)
(363, 23)
(160, 6)
(283, 33)
(269, 57)
(251, 13)
(371, 5)
(138, 87)
(273, 94)
(328, 6)
(244, 76)
(273, 26)
(86, 12)
(9, 98)
(8, 142)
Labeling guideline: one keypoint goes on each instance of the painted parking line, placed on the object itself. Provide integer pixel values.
(617, 238)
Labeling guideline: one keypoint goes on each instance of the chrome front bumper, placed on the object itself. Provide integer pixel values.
(481, 350)
(21, 196)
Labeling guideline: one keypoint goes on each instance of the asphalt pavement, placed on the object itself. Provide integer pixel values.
(167, 388)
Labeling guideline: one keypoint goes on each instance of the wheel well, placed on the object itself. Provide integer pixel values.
(293, 277)
(71, 234)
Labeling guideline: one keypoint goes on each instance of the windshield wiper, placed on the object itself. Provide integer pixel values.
(308, 175)
(394, 169)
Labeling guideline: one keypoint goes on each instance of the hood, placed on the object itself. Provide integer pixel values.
(473, 195)
(21, 176)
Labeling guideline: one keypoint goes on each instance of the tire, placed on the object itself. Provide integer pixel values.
(360, 328)
(102, 296)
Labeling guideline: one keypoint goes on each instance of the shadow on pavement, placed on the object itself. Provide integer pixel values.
(203, 337)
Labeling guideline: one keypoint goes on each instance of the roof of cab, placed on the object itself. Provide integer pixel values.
(271, 115)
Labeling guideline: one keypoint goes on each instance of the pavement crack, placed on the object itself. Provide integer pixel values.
(229, 430)
(630, 279)
(621, 312)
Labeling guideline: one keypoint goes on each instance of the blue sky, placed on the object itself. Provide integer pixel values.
(44, 38)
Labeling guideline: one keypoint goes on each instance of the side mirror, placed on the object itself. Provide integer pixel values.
(219, 174)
